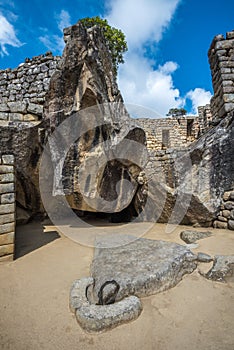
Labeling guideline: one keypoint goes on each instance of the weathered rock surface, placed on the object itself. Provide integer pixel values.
(205, 258)
(141, 268)
(84, 79)
(222, 269)
(97, 318)
(189, 236)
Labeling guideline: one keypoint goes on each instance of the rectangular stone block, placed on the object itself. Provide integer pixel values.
(4, 116)
(225, 64)
(4, 123)
(225, 70)
(228, 76)
(17, 107)
(4, 107)
(6, 249)
(8, 159)
(7, 198)
(6, 258)
(4, 169)
(7, 238)
(7, 188)
(7, 228)
(35, 108)
(230, 35)
(228, 89)
(5, 178)
(224, 45)
(228, 98)
(6, 218)
(7, 208)
(16, 117)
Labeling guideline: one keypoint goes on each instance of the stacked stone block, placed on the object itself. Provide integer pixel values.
(225, 219)
(205, 118)
(23, 89)
(221, 59)
(7, 207)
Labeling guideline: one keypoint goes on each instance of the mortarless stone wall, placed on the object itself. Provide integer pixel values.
(7, 207)
(205, 118)
(23, 89)
(225, 218)
(170, 132)
(221, 59)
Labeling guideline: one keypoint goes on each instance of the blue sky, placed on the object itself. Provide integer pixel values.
(166, 65)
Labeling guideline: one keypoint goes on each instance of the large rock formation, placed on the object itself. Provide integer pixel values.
(83, 91)
(81, 78)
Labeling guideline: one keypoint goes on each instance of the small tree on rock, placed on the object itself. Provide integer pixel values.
(115, 38)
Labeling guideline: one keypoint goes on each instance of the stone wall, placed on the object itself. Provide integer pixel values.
(225, 219)
(221, 58)
(170, 132)
(23, 89)
(7, 207)
(205, 118)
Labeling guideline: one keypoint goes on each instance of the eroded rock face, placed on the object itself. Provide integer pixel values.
(85, 86)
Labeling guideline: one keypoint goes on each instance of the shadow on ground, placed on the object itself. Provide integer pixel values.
(31, 237)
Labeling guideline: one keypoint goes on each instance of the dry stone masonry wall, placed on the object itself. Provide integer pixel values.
(225, 218)
(7, 207)
(23, 89)
(221, 58)
(205, 118)
(171, 132)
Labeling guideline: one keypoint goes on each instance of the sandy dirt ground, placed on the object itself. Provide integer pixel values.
(34, 307)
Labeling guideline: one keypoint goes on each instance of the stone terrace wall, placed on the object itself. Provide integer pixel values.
(23, 89)
(221, 58)
(7, 207)
(177, 128)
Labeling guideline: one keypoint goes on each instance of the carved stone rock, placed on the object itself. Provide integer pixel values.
(142, 267)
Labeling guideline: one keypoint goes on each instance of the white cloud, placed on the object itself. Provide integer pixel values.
(199, 97)
(7, 36)
(64, 20)
(143, 24)
(140, 79)
(141, 84)
(141, 20)
(55, 42)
